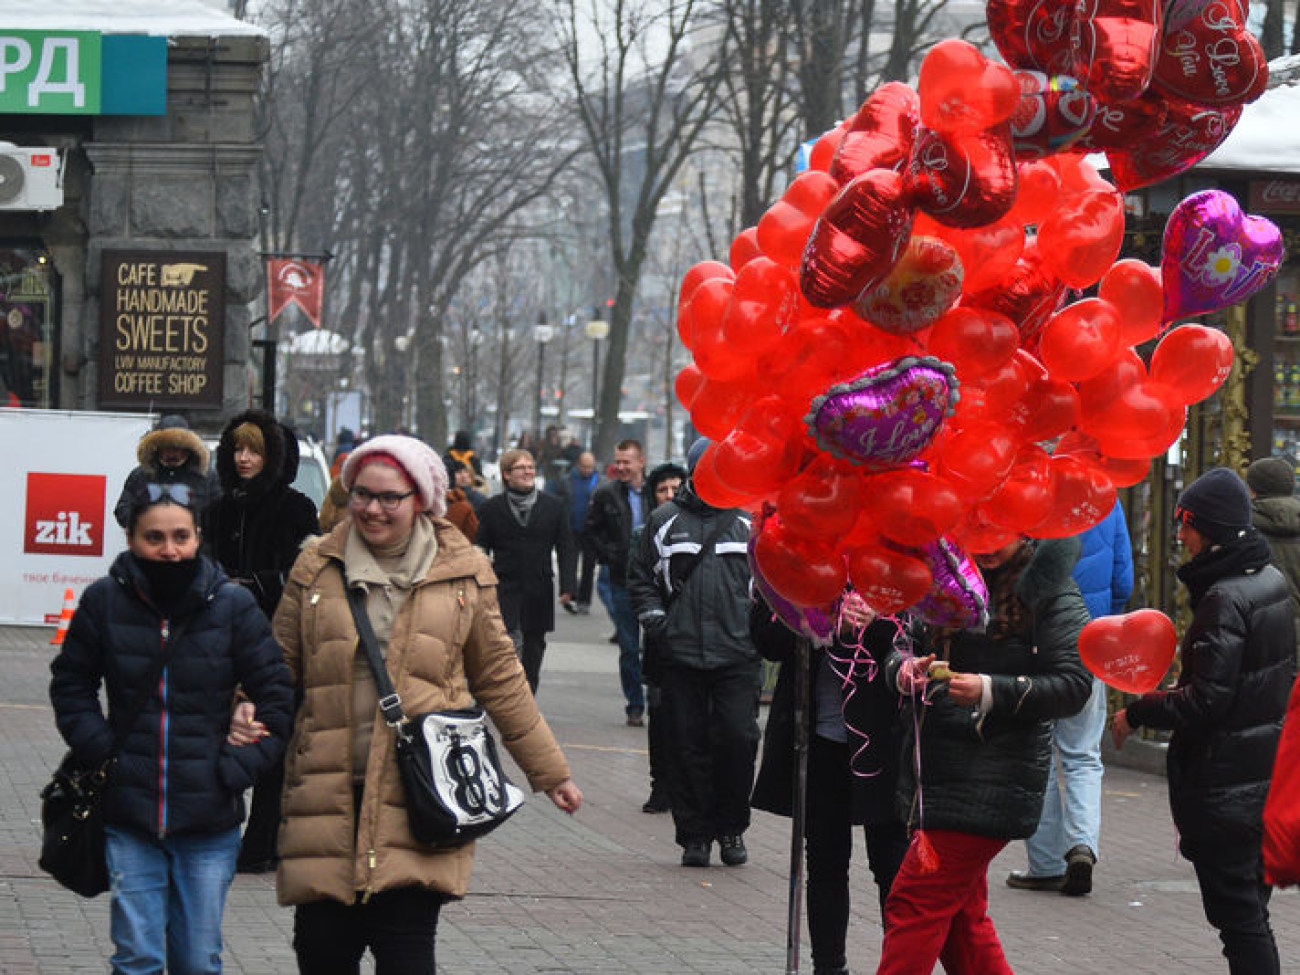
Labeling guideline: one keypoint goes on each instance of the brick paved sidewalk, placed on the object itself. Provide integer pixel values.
(602, 893)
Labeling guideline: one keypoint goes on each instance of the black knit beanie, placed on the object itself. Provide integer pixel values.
(1217, 505)
(1271, 477)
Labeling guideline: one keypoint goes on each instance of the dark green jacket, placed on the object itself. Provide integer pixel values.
(1278, 520)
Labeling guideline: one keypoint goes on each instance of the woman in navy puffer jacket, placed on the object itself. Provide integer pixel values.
(173, 804)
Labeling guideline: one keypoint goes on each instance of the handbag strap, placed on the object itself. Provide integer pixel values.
(390, 702)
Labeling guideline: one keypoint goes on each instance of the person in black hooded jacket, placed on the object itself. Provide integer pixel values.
(255, 530)
(173, 802)
(1226, 710)
(169, 453)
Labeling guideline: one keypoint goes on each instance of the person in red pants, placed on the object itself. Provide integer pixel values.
(974, 769)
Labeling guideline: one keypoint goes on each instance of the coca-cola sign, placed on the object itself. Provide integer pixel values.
(1275, 195)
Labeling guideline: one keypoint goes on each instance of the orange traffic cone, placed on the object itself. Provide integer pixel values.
(65, 618)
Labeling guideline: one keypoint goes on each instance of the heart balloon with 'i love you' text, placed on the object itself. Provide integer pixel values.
(1132, 652)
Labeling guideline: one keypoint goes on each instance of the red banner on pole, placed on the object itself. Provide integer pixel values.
(295, 280)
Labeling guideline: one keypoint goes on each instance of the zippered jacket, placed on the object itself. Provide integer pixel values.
(175, 772)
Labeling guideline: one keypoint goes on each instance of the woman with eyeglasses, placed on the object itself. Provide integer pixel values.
(254, 530)
(348, 862)
(170, 638)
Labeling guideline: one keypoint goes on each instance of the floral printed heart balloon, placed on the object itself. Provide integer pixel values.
(1214, 255)
(958, 598)
(888, 415)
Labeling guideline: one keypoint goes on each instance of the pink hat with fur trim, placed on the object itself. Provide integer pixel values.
(418, 461)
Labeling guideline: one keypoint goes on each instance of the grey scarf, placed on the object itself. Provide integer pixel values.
(521, 504)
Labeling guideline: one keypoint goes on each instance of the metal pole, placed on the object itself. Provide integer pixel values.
(541, 367)
(794, 917)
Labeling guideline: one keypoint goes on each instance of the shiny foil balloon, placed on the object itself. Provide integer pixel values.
(966, 179)
(958, 598)
(1214, 255)
(1212, 59)
(888, 415)
(1188, 134)
(1117, 126)
(1125, 43)
(857, 240)
(880, 134)
(1053, 114)
(924, 284)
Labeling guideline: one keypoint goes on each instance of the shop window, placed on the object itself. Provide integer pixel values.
(28, 327)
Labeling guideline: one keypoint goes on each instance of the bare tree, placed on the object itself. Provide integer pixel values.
(643, 90)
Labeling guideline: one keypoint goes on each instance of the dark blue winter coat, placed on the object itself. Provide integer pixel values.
(175, 772)
(1104, 571)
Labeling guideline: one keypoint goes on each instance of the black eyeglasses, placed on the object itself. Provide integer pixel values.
(388, 500)
(180, 493)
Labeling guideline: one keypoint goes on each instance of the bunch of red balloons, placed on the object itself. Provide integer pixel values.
(891, 364)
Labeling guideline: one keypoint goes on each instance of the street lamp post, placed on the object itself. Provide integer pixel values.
(596, 330)
(543, 333)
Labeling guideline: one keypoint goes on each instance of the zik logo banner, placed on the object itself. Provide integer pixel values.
(65, 514)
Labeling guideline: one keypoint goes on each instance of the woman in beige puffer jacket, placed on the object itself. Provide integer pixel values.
(348, 860)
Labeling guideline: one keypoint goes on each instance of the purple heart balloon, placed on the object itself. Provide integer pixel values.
(958, 598)
(1214, 255)
(888, 415)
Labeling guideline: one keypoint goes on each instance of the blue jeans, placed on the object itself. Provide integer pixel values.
(1072, 807)
(167, 899)
(619, 604)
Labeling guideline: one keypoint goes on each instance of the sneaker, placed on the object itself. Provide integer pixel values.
(696, 854)
(584, 609)
(732, 849)
(636, 719)
(1078, 871)
(657, 803)
(570, 607)
(1017, 880)
(613, 639)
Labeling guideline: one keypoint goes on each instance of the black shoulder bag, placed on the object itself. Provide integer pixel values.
(456, 790)
(72, 841)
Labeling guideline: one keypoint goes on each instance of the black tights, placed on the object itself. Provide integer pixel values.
(398, 926)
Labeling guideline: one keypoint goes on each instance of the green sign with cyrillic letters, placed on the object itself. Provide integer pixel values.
(62, 72)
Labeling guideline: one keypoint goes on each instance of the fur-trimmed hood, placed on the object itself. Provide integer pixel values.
(281, 465)
(165, 437)
(1050, 569)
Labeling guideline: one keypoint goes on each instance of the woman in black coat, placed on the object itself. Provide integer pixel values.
(173, 803)
(520, 528)
(255, 530)
(853, 753)
(1238, 665)
(984, 742)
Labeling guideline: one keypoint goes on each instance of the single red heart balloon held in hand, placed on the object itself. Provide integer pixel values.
(1131, 653)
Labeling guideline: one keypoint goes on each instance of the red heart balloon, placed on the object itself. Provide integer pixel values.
(857, 240)
(975, 341)
(1117, 125)
(691, 281)
(1122, 472)
(975, 460)
(1193, 361)
(1025, 498)
(1029, 295)
(1081, 496)
(1080, 340)
(783, 230)
(822, 502)
(717, 406)
(762, 451)
(806, 572)
(744, 248)
(764, 306)
(1188, 134)
(1134, 288)
(912, 507)
(1049, 407)
(1125, 39)
(889, 580)
(1082, 237)
(1212, 59)
(880, 134)
(1131, 653)
(704, 478)
(687, 384)
(963, 179)
(707, 308)
(824, 149)
(1143, 421)
(987, 253)
(1038, 187)
(962, 91)
(976, 534)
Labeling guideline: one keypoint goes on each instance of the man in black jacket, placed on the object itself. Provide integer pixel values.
(689, 581)
(616, 509)
(520, 528)
(1225, 712)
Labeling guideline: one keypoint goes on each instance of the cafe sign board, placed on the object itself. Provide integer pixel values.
(161, 341)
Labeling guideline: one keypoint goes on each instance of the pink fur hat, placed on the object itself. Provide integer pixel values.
(418, 461)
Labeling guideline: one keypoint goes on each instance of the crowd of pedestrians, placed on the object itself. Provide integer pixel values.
(227, 630)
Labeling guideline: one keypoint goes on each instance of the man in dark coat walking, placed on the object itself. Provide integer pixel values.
(1275, 511)
(1238, 665)
(520, 528)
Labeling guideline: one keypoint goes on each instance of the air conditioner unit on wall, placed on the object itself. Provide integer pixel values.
(30, 178)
